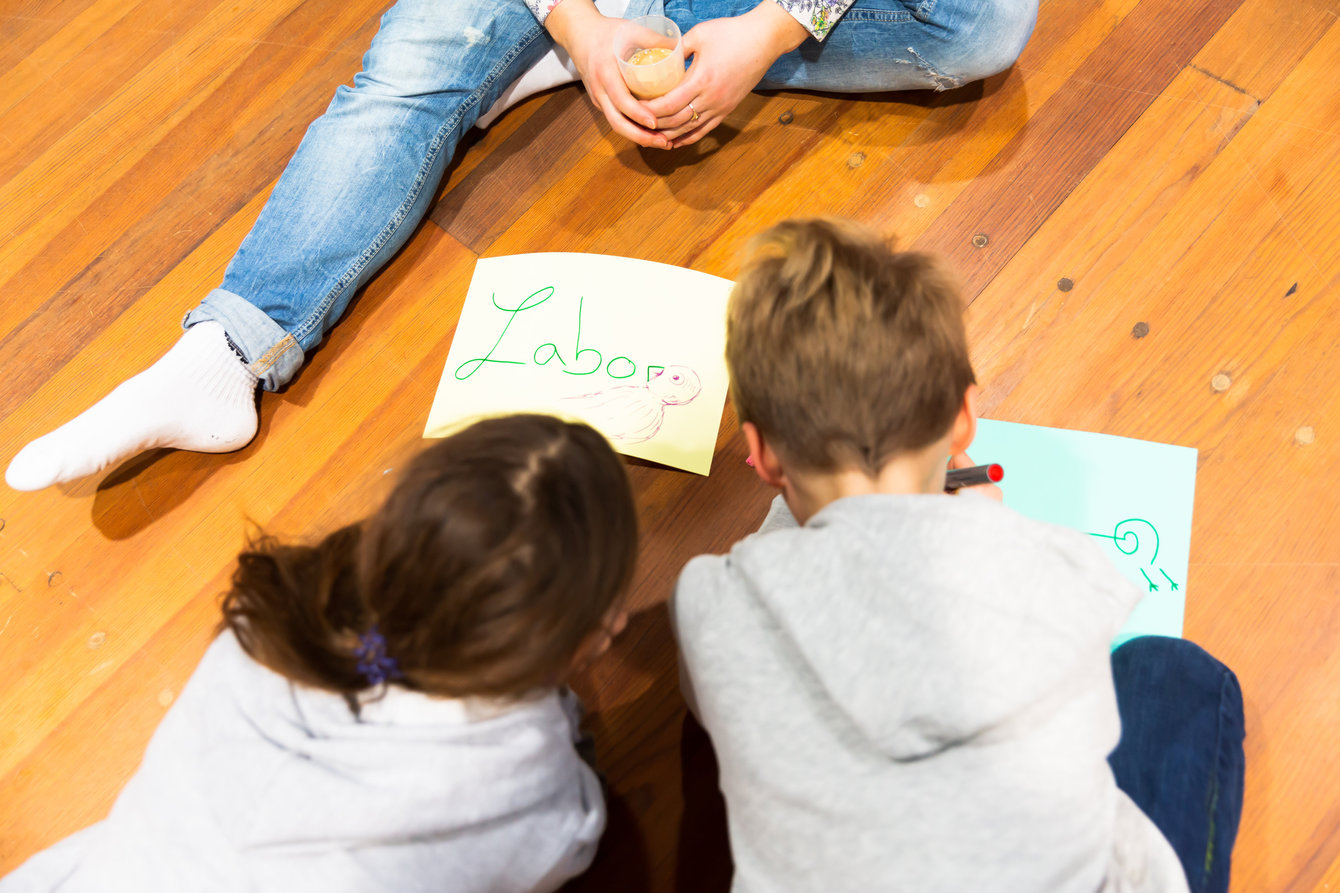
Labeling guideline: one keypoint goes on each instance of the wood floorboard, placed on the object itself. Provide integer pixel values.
(1176, 162)
(918, 152)
(1260, 45)
(29, 27)
(230, 145)
(1025, 183)
(1100, 224)
(507, 179)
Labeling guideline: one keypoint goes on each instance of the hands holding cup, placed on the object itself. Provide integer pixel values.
(650, 52)
(634, 70)
(730, 57)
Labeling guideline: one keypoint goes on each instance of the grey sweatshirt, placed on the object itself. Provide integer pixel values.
(254, 784)
(914, 693)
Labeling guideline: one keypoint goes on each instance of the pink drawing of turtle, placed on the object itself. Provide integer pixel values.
(633, 413)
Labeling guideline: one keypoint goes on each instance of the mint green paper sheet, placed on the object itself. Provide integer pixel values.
(1133, 496)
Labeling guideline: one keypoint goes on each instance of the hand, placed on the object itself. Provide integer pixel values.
(730, 57)
(594, 645)
(961, 460)
(588, 37)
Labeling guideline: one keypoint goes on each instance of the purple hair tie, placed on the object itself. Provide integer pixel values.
(374, 663)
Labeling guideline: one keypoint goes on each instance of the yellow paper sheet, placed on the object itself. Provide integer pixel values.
(633, 348)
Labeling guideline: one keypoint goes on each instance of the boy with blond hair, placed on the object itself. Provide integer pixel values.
(908, 690)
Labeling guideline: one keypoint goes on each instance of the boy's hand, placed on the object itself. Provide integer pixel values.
(588, 37)
(730, 57)
(962, 460)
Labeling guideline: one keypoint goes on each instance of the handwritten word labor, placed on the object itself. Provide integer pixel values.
(581, 360)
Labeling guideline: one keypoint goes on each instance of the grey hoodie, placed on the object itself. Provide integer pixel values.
(252, 783)
(914, 693)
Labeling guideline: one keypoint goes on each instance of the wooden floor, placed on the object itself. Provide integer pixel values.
(1178, 161)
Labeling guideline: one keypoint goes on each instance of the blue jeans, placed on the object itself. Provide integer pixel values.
(366, 170)
(1180, 757)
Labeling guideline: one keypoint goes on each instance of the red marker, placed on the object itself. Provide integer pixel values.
(971, 477)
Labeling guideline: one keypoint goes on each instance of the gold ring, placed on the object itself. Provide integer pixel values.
(695, 112)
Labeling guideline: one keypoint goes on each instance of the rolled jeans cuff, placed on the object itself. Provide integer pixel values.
(272, 354)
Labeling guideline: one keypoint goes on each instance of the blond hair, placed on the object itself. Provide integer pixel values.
(842, 351)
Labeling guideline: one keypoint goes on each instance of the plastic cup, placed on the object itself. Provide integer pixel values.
(650, 54)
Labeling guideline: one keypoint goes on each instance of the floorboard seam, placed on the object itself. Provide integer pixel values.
(1227, 83)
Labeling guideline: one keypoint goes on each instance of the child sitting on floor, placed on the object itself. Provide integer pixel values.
(905, 690)
(383, 711)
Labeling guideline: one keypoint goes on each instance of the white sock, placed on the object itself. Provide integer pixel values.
(199, 396)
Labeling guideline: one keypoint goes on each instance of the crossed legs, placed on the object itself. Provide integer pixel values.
(367, 169)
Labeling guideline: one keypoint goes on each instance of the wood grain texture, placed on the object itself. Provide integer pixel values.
(1178, 162)
(1062, 142)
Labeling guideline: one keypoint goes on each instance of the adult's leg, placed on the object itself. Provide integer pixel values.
(1181, 757)
(885, 45)
(365, 173)
(352, 194)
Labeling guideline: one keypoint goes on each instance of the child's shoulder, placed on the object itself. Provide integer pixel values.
(903, 545)
(697, 588)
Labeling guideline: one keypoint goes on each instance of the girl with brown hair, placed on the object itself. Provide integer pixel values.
(384, 710)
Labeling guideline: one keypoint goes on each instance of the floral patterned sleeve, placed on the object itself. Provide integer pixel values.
(818, 16)
(542, 8)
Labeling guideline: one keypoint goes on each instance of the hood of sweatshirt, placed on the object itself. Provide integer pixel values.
(930, 620)
(282, 767)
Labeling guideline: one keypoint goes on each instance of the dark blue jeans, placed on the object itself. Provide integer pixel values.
(1180, 757)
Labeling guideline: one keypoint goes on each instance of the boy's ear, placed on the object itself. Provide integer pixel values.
(965, 423)
(766, 464)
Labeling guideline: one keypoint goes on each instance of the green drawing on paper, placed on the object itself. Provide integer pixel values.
(1088, 481)
(626, 367)
(1128, 543)
(478, 363)
(634, 348)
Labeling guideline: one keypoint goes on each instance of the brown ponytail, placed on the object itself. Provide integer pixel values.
(499, 551)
